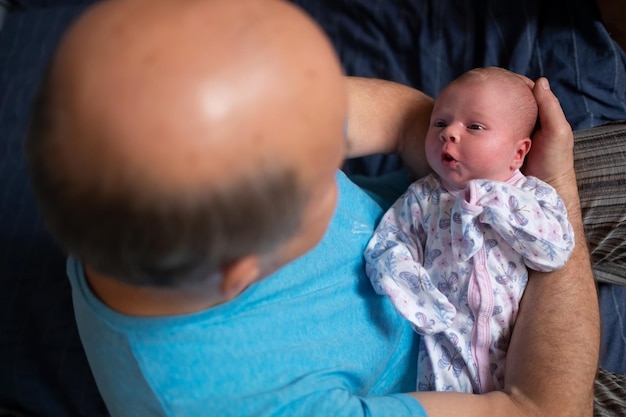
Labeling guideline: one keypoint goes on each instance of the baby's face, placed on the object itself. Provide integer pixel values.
(472, 134)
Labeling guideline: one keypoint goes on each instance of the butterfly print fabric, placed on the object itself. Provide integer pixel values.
(454, 263)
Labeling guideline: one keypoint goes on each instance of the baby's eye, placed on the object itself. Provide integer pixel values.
(439, 123)
(476, 127)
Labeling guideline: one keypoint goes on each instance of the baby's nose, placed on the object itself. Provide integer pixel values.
(450, 133)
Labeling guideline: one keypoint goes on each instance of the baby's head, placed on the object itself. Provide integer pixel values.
(514, 95)
(481, 126)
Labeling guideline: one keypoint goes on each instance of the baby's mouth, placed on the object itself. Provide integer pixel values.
(447, 159)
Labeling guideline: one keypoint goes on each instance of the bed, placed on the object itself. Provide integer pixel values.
(423, 43)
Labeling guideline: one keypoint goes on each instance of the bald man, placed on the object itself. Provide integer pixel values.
(185, 154)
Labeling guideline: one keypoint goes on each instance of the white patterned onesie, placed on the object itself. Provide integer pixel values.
(454, 264)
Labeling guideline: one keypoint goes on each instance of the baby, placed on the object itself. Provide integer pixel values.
(452, 252)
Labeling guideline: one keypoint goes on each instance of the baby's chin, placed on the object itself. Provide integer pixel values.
(453, 184)
(451, 180)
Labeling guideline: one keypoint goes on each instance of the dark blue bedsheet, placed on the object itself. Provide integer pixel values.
(426, 44)
(43, 371)
(613, 309)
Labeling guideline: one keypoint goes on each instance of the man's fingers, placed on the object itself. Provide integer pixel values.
(551, 155)
(551, 114)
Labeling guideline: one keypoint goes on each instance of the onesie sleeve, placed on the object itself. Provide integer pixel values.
(530, 217)
(395, 260)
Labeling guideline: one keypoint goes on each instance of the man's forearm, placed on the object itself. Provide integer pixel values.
(559, 319)
(387, 117)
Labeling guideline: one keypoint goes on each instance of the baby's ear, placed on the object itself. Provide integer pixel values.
(521, 150)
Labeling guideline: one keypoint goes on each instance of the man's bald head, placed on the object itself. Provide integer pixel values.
(169, 132)
(164, 81)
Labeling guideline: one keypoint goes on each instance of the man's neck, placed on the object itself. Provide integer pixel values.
(142, 301)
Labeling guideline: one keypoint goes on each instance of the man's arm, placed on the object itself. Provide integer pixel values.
(553, 355)
(387, 117)
(557, 334)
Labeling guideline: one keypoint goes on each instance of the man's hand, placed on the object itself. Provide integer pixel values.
(551, 157)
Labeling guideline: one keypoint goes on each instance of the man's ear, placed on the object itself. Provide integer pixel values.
(239, 275)
(521, 150)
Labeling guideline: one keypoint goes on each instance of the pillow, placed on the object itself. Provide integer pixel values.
(600, 163)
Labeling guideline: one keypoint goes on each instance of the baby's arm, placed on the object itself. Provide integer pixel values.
(393, 260)
(530, 217)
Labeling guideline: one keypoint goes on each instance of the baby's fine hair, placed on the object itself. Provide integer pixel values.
(519, 93)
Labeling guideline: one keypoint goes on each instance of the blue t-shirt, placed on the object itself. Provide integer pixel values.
(311, 340)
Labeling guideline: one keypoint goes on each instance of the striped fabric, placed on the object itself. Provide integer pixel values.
(601, 173)
(609, 395)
